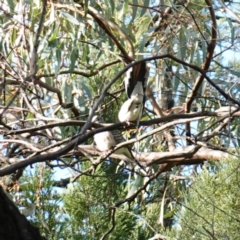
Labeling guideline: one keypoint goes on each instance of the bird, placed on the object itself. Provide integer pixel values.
(135, 86)
(107, 140)
(135, 78)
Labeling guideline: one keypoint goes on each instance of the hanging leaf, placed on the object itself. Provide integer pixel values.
(183, 44)
(51, 17)
(13, 36)
(135, 185)
(144, 9)
(232, 35)
(67, 90)
(176, 80)
(134, 9)
(160, 219)
(192, 52)
(85, 52)
(85, 7)
(87, 90)
(173, 4)
(73, 59)
(11, 5)
(58, 60)
(204, 50)
(70, 18)
(54, 35)
(125, 6)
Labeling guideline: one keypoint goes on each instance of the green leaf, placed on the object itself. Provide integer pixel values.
(51, 17)
(99, 54)
(176, 80)
(67, 90)
(54, 35)
(202, 88)
(135, 185)
(204, 50)
(145, 4)
(232, 35)
(232, 29)
(110, 3)
(70, 18)
(73, 58)
(85, 7)
(81, 103)
(11, 5)
(160, 220)
(30, 115)
(173, 5)
(13, 36)
(198, 61)
(58, 60)
(192, 52)
(87, 90)
(85, 52)
(183, 44)
(125, 6)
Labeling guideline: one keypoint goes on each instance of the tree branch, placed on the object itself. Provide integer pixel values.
(205, 65)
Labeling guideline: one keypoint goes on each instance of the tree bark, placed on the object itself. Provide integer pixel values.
(14, 225)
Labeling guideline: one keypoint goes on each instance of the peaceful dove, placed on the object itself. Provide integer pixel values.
(135, 85)
(106, 141)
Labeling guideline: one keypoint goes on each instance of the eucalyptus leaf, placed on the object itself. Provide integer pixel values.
(85, 6)
(204, 50)
(70, 18)
(87, 90)
(135, 185)
(183, 44)
(176, 80)
(67, 87)
(13, 36)
(125, 6)
(73, 59)
(51, 17)
(111, 4)
(11, 5)
(54, 35)
(144, 9)
(134, 9)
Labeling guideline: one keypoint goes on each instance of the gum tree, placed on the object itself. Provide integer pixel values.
(61, 63)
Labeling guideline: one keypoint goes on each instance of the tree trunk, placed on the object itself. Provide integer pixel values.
(14, 226)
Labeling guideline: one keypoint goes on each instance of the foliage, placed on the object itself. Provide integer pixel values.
(211, 204)
(37, 190)
(87, 203)
(90, 203)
